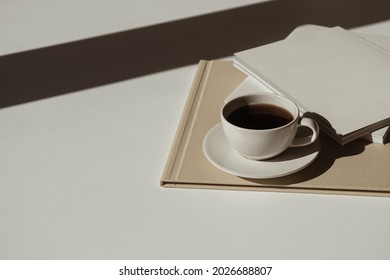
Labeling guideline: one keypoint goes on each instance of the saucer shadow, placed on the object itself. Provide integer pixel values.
(329, 153)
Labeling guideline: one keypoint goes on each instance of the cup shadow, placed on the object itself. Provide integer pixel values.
(329, 153)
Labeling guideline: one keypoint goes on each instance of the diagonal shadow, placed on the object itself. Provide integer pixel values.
(60, 69)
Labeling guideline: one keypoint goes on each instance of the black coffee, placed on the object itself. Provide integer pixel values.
(260, 116)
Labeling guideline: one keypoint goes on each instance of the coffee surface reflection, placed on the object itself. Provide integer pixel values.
(260, 116)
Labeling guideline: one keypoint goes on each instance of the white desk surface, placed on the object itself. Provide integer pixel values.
(79, 179)
(26, 24)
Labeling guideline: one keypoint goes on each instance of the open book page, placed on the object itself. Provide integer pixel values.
(329, 71)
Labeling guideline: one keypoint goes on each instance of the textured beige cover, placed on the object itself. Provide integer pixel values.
(358, 168)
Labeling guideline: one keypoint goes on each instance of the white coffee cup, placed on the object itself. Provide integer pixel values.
(261, 126)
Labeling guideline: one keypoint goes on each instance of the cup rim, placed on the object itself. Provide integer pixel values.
(273, 95)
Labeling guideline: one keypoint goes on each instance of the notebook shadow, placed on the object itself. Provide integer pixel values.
(330, 152)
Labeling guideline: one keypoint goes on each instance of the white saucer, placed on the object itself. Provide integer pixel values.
(222, 155)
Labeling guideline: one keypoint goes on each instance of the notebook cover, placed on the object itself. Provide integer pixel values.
(357, 168)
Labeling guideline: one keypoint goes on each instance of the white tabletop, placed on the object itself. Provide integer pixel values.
(79, 179)
(26, 25)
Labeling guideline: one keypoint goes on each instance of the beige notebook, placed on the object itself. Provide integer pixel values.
(357, 168)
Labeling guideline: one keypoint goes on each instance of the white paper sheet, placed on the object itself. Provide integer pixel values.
(329, 71)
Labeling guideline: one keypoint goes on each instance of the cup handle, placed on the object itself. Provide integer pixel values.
(303, 141)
